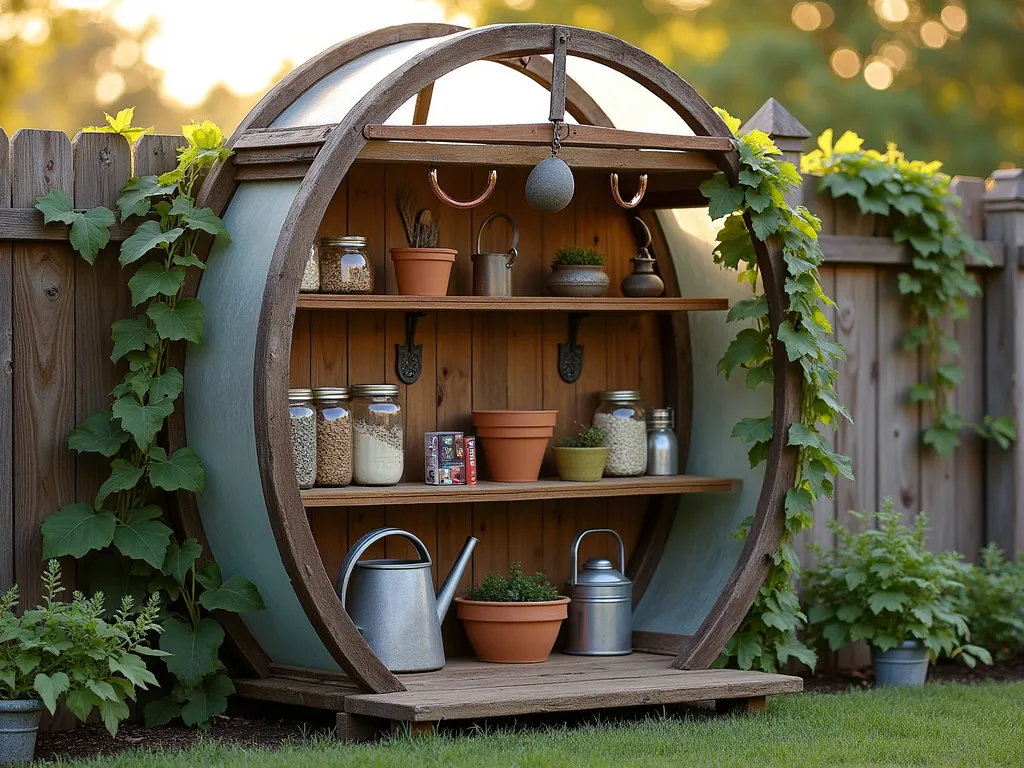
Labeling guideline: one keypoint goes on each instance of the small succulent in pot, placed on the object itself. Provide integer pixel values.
(422, 269)
(577, 272)
(582, 458)
(512, 619)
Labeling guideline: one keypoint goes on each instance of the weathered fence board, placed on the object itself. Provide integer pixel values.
(6, 383)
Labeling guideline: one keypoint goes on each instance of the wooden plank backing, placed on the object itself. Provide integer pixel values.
(6, 383)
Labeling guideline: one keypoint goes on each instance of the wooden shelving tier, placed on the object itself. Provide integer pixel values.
(351, 302)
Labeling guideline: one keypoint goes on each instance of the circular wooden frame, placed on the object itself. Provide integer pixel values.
(520, 46)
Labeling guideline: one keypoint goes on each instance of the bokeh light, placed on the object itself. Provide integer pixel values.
(125, 54)
(893, 11)
(933, 34)
(519, 5)
(806, 16)
(955, 18)
(35, 30)
(878, 74)
(109, 87)
(895, 53)
(845, 62)
(827, 14)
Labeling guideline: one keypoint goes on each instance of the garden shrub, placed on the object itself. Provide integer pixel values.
(994, 603)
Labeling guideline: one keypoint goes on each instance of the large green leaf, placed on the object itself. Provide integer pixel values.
(50, 687)
(886, 601)
(135, 197)
(207, 702)
(129, 335)
(55, 205)
(798, 343)
(167, 384)
(142, 421)
(182, 469)
(133, 669)
(209, 575)
(99, 433)
(108, 572)
(143, 537)
(237, 594)
(179, 560)
(722, 199)
(152, 280)
(81, 702)
(206, 220)
(754, 430)
(112, 712)
(147, 236)
(193, 653)
(161, 711)
(74, 529)
(183, 321)
(123, 477)
(90, 232)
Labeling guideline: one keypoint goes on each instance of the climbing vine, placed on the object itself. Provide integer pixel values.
(128, 547)
(918, 198)
(755, 205)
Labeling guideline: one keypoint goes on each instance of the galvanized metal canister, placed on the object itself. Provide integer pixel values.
(600, 621)
(492, 272)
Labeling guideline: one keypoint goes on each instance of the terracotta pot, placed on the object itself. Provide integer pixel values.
(512, 633)
(514, 442)
(423, 271)
(581, 465)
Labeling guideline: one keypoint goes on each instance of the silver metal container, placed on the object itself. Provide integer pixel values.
(492, 272)
(662, 443)
(600, 621)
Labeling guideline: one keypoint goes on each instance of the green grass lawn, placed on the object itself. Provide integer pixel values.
(936, 725)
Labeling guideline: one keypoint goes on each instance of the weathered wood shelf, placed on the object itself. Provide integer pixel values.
(505, 304)
(421, 493)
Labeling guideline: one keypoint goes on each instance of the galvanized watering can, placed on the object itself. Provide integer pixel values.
(392, 602)
(600, 621)
(492, 272)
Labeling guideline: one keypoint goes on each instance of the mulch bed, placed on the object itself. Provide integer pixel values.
(249, 729)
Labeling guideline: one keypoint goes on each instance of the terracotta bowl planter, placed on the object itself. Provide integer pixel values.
(514, 442)
(512, 633)
(581, 465)
(423, 271)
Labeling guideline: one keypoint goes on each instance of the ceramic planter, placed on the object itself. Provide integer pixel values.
(514, 442)
(423, 271)
(906, 664)
(19, 722)
(581, 465)
(579, 281)
(512, 633)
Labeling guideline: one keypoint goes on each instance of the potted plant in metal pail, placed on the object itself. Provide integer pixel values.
(882, 585)
(512, 619)
(577, 272)
(422, 269)
(582, 458)
(68, 651)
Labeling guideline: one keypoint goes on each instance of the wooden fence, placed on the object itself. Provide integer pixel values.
(56, 312)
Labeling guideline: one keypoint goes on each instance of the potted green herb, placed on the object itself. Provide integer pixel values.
(68, 651)
(512, 619)
(882, 585)
(582, 458)
(577, 272)
(422, 269)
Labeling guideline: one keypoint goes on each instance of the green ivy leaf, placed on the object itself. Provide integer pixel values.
(142, 421)
(55, 205)
(750, 178)
(754, 430)
(758, 454)
(237, 594)
(886, 601)
(760, 374)
(941, 438)
(99, 433)
(147, 236)
(749, 346)
(209, 575)
(800, 435)
(188, 260)
(90, 232)
(193, 652)
(208, 702)
(798, 343)
(722, 199)
(112, 712)
(747, 309)
(81, 702)
(143, 537)
(161, 711)
(798, 502)
(179, 560)
(205, 220)
(133, 334)
(133, 669)
(180, 470)
(950, 373)
(184, 321)
(765, 223)
(121, 124)
(123, 477)
(152, 280)
(136, 194)
(75, 529)
(835, 632)
(168, 384)
(757, 199)
(50, 687)
(748, 648)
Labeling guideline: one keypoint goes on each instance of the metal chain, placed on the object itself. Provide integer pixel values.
(556, 141)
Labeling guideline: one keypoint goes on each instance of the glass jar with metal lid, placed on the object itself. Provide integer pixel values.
(378, 435)
(621, 415)
(344, 265)
(662, 444)
(303, 423)
(311, 274)
(333, 437)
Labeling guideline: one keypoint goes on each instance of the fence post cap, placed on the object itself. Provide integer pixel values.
(1004, 185)
(775, 120)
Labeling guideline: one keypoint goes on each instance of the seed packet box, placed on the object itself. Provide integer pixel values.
(469, 443)
(444, 458)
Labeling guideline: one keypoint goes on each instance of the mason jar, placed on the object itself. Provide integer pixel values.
(621, 415)
(333, 437)
(378, 435)
(311, 274)
(303, 423)
(662, 444)
(344, 265)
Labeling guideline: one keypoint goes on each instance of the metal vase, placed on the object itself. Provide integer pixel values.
(19, 723)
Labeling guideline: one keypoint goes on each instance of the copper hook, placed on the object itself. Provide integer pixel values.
(492, 182)
(636, 198)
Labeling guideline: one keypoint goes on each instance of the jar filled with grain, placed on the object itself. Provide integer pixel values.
(311, 274)
(345, 265)
(303, 421)
(378, 435)
(333, 437)
(621, 415)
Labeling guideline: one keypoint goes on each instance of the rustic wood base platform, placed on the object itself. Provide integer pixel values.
(470, 690)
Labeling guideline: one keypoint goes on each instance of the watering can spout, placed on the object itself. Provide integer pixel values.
(451, 584)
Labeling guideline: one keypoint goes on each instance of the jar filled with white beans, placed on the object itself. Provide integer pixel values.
(621, 415)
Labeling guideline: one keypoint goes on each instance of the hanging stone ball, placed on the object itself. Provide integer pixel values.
(550, 186)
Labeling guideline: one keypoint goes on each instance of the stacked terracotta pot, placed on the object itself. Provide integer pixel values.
(514, 442)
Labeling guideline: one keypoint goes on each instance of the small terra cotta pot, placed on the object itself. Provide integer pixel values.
(513, 442)
(577, 280)
(512, 633)
(580, 465)
(423, 271)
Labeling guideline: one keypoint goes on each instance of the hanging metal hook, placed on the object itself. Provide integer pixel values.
(644, 249)
(636, 198)
(492, 182)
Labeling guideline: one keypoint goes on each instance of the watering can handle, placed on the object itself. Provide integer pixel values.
(512, 252)
(369, 539)
(576, 548)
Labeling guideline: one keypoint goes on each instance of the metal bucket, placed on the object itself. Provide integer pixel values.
(492, 272)
(906, 664)
(19, 722)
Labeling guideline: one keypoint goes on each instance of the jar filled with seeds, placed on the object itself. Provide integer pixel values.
(621, 415)
(311, 275)
(333, 437)
(303, 421)
(345, 265)
(378, 435)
